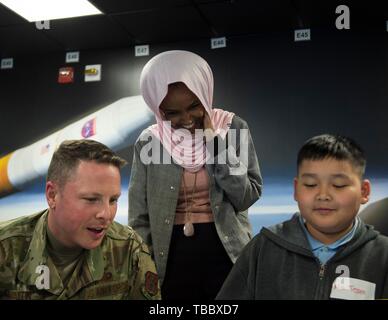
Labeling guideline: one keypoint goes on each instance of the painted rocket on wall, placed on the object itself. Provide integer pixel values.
(116, 125)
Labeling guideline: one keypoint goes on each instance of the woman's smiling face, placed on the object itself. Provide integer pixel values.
(183, 108)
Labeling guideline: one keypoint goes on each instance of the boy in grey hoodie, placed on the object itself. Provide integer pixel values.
(325, 251)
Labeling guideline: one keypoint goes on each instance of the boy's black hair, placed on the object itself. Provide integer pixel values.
(333, 146)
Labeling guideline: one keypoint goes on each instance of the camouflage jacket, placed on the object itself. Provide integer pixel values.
(120, 268)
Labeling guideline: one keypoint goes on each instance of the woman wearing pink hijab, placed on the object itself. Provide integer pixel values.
(191, 182)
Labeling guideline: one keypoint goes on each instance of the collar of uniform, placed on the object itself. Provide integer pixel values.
(95, 262)
(82, 275)
(37, 256)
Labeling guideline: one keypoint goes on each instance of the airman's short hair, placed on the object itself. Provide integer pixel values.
(71, 152)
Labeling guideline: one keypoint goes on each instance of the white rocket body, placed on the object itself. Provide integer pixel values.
(116, 126)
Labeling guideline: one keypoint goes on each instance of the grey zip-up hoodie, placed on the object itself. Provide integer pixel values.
(278, 264)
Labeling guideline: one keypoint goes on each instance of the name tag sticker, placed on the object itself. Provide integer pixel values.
(352, 289)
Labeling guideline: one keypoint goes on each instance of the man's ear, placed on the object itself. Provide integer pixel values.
(365, 191)
(295, 189)
(51, 194)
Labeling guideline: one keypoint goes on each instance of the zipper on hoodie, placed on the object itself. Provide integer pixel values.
(322, 270)
(319, 290)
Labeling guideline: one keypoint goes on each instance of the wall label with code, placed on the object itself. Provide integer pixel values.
(141, 51)
(216, 43)
(302, 35)
(72, 57)
(7, 63)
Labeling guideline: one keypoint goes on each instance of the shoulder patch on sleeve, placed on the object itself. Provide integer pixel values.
(151, 283)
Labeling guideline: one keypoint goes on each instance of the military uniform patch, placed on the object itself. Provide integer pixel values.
(151, 283)
(101, 290)
(18, 295)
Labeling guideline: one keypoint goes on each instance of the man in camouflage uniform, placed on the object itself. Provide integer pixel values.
(74, 249)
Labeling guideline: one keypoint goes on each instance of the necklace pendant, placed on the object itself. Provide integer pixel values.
(188, 229)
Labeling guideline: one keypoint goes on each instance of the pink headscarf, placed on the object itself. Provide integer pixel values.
(182, 66)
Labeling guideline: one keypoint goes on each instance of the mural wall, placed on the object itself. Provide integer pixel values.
(287, 91)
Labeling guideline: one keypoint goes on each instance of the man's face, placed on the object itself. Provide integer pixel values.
(182, 107)
(329, 193)
(83, 209)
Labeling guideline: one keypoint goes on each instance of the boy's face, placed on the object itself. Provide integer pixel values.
(329, 193)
